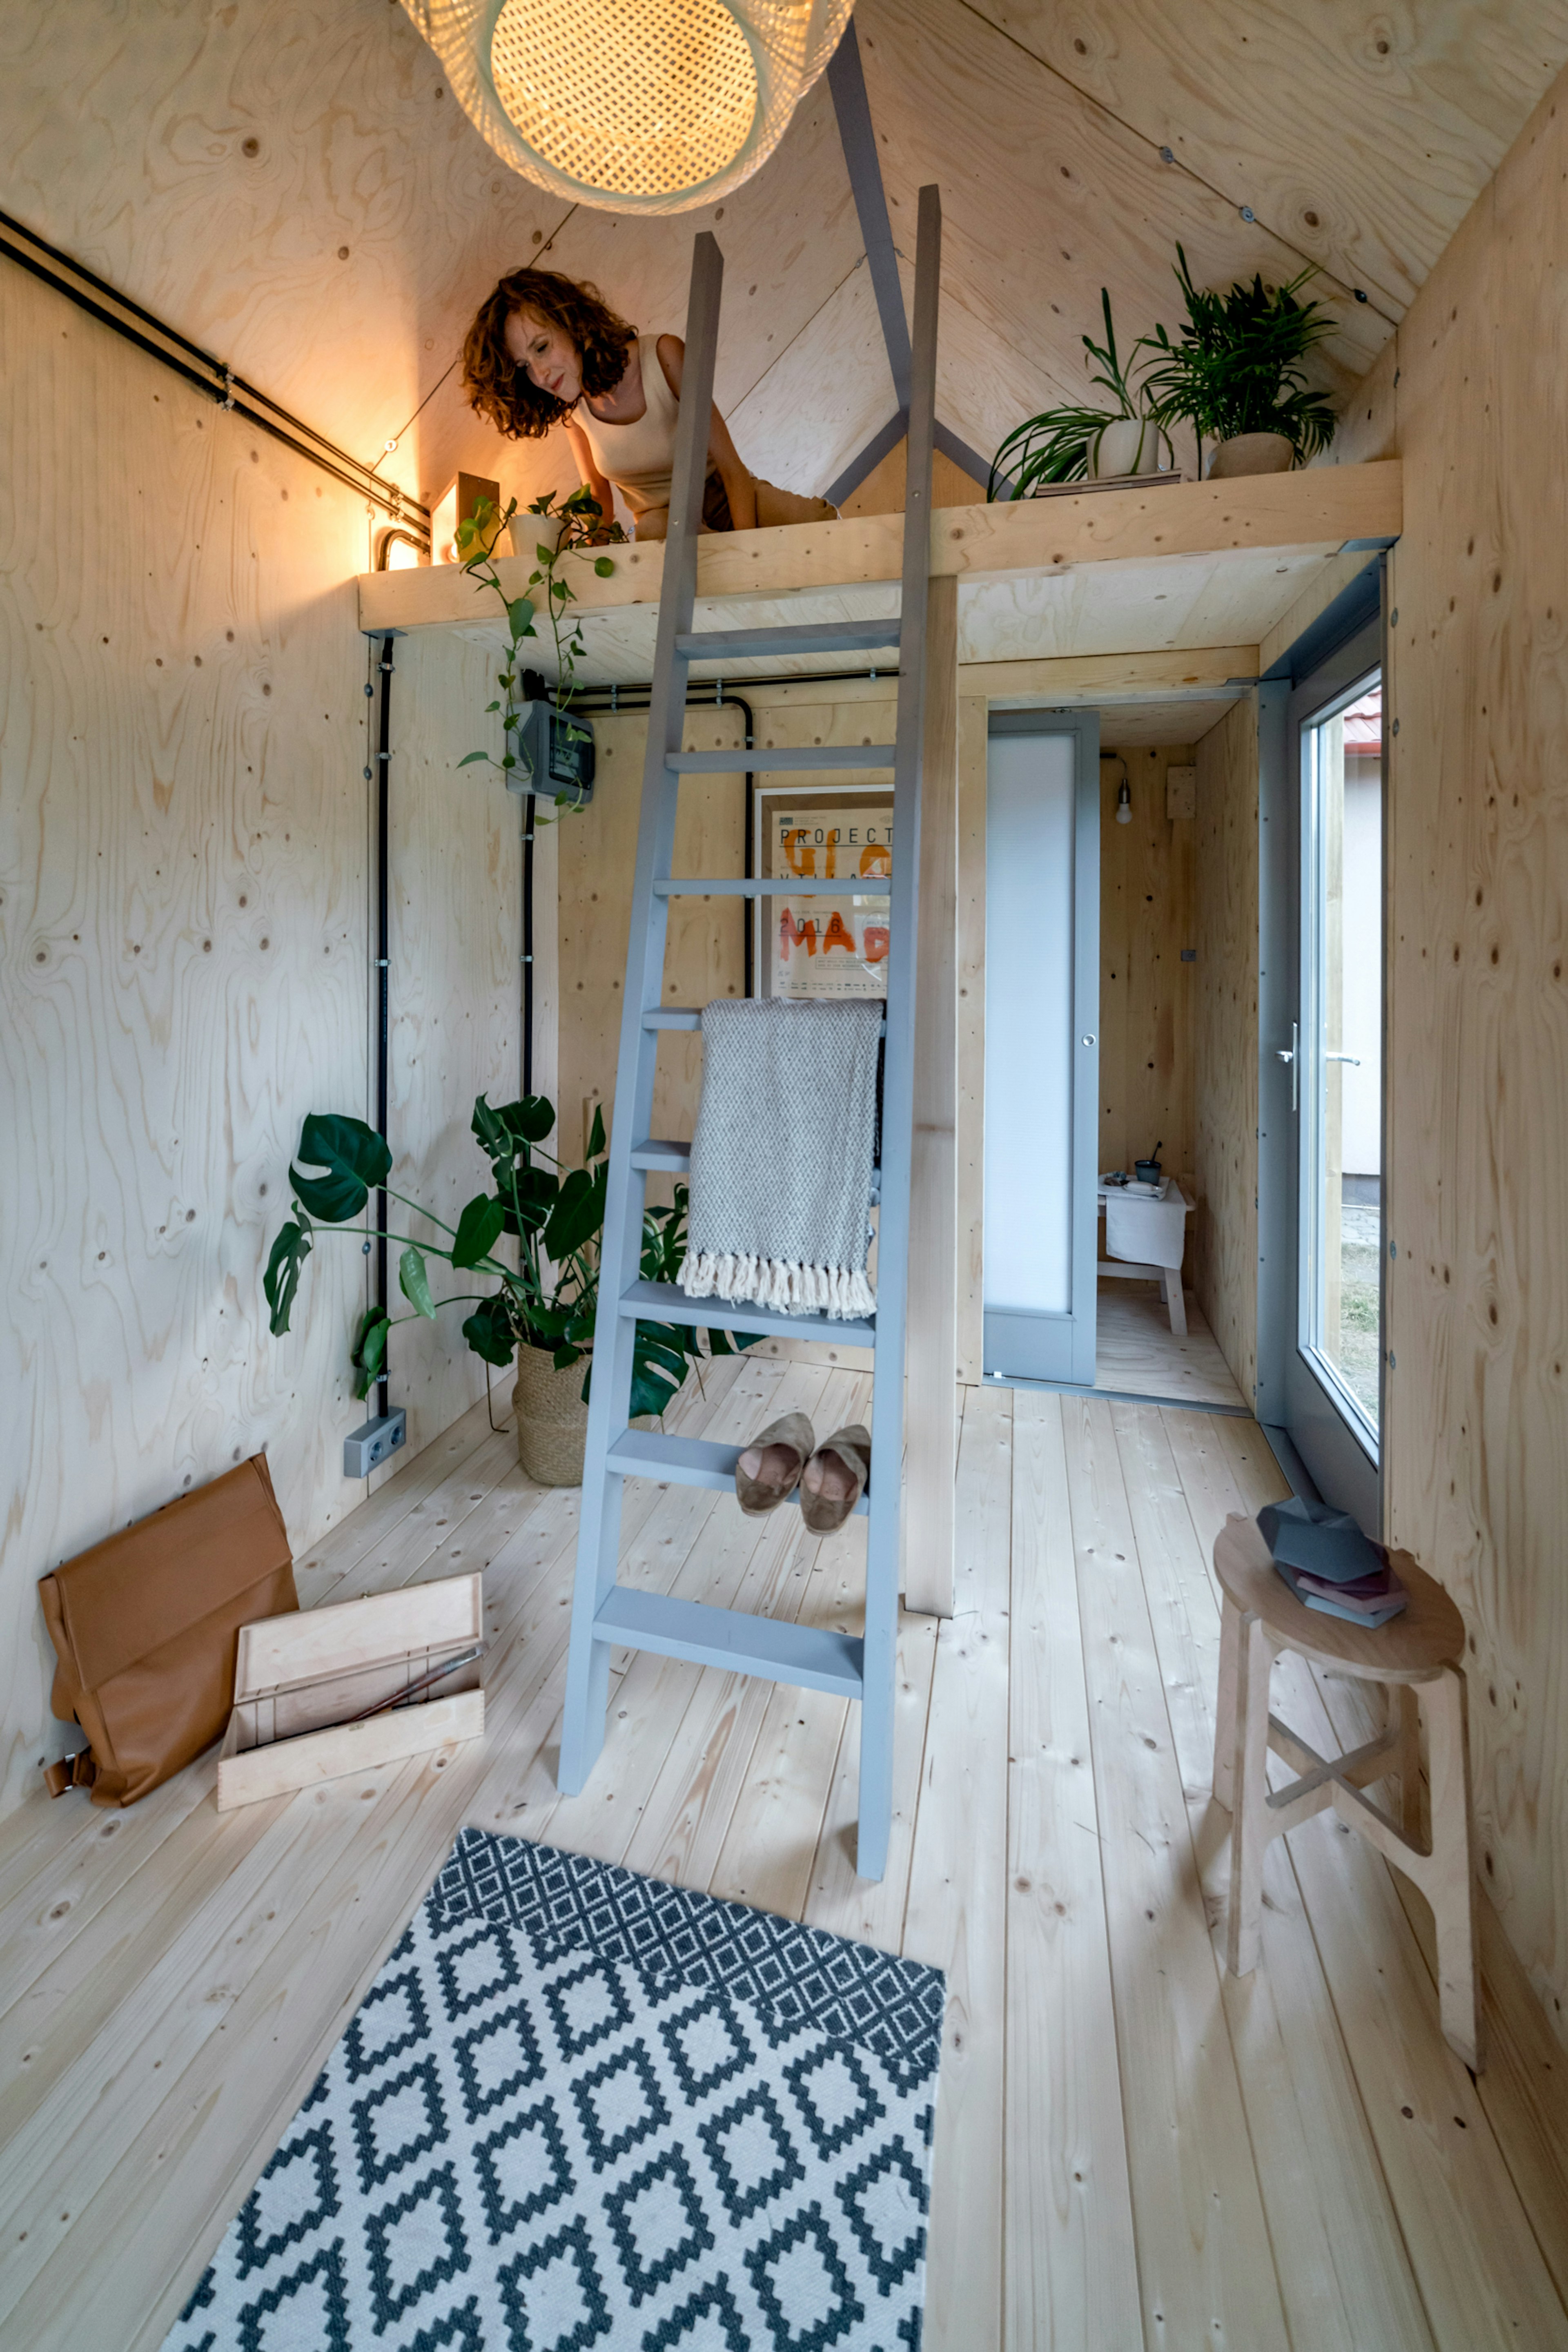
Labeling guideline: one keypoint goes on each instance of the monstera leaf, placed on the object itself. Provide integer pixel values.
(281, 1280)
(488, 1332)
(579, 1212)
(514, 1125)
(478, 1229)
(369, 1350)
(356, 1158)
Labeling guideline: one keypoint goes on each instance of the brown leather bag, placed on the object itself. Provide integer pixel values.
(146, 1625)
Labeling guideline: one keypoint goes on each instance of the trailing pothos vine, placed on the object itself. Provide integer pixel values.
(578, 524)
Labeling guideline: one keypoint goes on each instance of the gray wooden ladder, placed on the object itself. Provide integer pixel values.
(606, 1614)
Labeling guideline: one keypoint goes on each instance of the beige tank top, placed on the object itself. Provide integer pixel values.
(638, 459)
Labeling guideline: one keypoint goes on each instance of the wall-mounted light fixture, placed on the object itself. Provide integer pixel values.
(648, 106)
(1125, 802)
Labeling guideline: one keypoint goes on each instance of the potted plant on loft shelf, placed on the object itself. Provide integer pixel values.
(1234, 373)
(1077, 443)
(539, 1309)
(534, 730)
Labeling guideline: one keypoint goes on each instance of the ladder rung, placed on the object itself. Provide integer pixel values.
(688, 1017)
(772, 1647)
(684, 1462)
(772, 886)
(659, 1153)
(666, 1302)
(769, 763)
(806, 637)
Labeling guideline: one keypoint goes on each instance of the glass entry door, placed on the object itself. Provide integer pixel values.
(1340, 1271)
(1321, 1155)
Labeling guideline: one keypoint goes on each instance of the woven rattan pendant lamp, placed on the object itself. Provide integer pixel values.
(635, 106)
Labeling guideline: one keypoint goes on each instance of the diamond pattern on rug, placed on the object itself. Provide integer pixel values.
(581, 2108)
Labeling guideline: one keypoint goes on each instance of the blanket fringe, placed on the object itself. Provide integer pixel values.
(841, 1292)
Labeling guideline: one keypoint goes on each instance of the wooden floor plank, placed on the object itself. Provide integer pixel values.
(680, 1548)
(288, 2011)
(871, 1911)
(174, 2025)
(1070, 2256)
(1205, 2265)
(56, 1858)
(167, 2017)
(1522, 2087)
(1481, 2275)
(468, 1446)
(1137, 1353)
(1344, 2276)
(956, 1914)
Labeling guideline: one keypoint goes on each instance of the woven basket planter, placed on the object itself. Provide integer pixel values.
(551, 1418)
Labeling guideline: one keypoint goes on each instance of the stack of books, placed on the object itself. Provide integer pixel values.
(1329, 1564)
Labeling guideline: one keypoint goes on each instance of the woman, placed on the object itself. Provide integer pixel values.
(545, 349)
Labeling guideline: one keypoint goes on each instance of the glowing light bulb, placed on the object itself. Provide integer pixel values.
(1125, 802)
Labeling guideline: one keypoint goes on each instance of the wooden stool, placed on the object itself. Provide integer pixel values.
(1420, 1649)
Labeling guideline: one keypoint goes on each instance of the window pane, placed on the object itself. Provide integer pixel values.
(1342, 1034)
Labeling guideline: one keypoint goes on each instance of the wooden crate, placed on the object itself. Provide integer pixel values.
(299, 1678)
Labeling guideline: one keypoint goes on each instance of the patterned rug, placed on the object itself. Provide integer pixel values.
(579, 2107)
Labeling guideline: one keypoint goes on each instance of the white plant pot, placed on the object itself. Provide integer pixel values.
(1130, 446)
(531, 531)
(1252, 453)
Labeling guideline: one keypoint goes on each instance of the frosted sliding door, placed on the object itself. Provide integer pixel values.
(1042, 879)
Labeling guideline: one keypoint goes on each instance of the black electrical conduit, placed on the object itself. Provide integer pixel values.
(606, 702)
(160, 341)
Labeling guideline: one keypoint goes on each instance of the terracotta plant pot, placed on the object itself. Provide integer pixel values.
(1130, 446)
(551, 1418)
(1252, 453)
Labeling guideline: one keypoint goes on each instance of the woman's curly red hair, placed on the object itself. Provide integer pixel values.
(500, 390)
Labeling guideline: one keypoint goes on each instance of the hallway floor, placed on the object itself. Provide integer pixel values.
(1133, 2150)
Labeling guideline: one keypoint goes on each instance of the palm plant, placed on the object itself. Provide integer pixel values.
(1235, 365)
(1062, 444)
(546, 1300)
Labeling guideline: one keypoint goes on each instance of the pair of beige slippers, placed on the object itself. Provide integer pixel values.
(831, 1476)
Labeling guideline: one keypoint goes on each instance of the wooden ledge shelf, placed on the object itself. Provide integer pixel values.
(1314, 513)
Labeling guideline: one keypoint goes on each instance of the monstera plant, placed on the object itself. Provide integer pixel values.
(529, 1247)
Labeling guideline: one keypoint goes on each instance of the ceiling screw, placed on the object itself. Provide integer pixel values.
(1166, 156)
(1248, 213)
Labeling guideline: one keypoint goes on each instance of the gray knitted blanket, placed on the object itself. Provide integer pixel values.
(781, 1158)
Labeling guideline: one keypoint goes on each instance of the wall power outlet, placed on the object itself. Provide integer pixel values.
(372, 1443)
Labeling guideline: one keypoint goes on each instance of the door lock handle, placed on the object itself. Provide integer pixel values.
(1288, 1053)
(1284, 1053)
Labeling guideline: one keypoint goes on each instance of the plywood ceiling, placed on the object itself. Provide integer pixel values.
(290, 184)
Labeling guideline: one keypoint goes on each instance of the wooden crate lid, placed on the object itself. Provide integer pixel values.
(280, 1652)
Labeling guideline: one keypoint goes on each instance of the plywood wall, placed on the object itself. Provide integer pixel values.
(1147, 994)
(1478, 1291)
(1225, 1060)
(184, 910)
(455, 960)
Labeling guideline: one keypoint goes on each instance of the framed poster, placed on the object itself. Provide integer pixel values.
(806, 945)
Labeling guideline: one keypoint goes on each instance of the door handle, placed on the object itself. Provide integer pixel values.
(1354, 1059)
(1284, 1054)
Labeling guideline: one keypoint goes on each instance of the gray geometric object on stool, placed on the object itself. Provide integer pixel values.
(1315, 1537)
(1416, 1653)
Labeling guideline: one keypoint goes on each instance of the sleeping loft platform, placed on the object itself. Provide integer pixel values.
(1167, 592)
